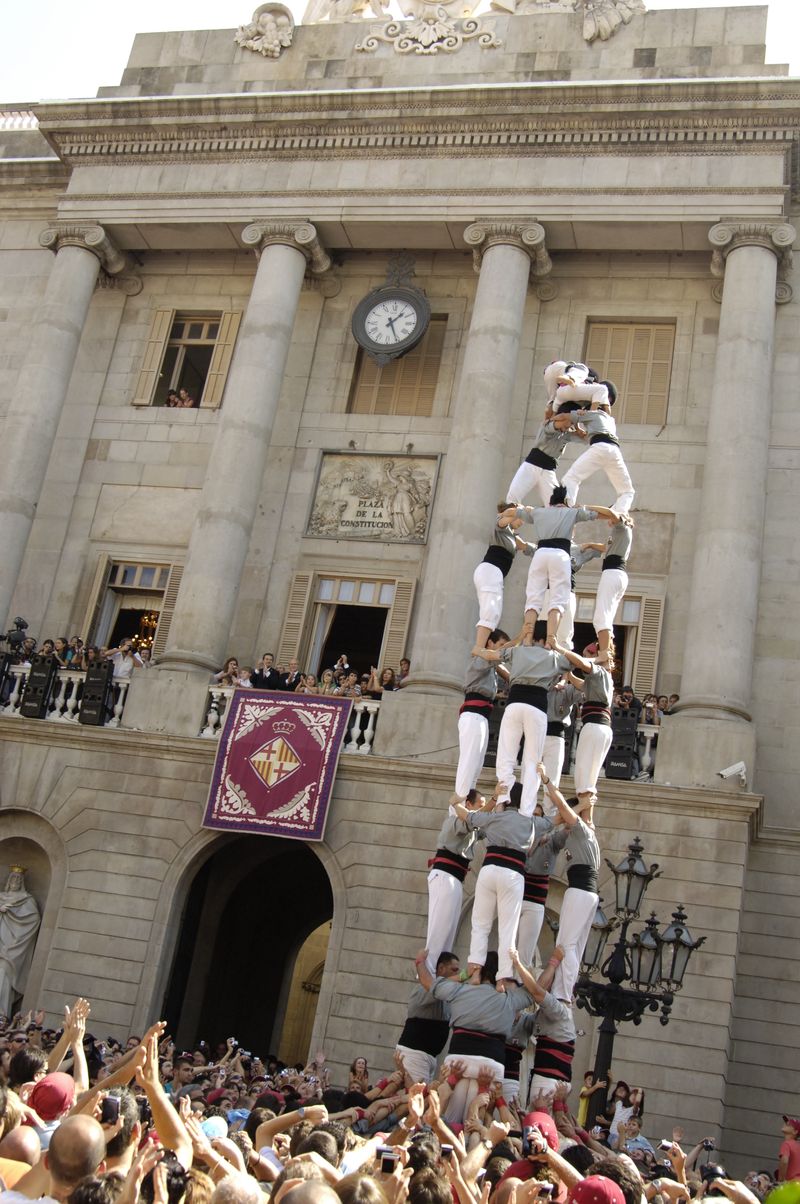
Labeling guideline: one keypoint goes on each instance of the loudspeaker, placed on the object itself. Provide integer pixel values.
(619, 762)
(623, 720)
(97, 699)
(39, 687)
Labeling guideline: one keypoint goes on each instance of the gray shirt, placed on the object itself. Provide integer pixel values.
(423, 1006)
(560, 703)
(599, 686)
(550, 440)
(619, 541)
(581, 845)
(578, 558)
(482, 1007)
(524, 1025)
(534, 666)
(505, 829)
(456, 837)
(596, 422)
(555, 522)
(480, 678)
(543, 855)
(554, 1019)
(504, 537)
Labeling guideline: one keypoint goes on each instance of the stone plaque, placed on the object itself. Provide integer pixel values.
(387, 499)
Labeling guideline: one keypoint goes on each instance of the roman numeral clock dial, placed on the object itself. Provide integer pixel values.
(389, 321)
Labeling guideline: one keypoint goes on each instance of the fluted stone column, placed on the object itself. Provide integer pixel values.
(80, 253)
(713, 727)
(221, 533)
(506, 254)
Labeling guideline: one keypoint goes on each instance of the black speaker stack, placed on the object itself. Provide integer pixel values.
(622, 755)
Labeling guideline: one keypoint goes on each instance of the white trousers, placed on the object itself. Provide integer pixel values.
(553, 758)
(488, 582)
(421, 1066)
(532, 476)
(473, 739)
(498, 892)
(511, 1090)
(531, 919)
(566, 624)
(520, 720)
(593, 745)
(444, 912)
(550, 570)
(595, 394)
(610, 592)
(542, 1086)
(577, 912)
(466, 1088)
(607, 458)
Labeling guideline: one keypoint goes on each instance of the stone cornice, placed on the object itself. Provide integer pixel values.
(777, 237)
(92, 238)
(301, 236)
(682, 115)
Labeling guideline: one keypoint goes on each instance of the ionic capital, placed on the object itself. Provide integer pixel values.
(89, 237)
(302, 236)
(528, 236)
(776, 237)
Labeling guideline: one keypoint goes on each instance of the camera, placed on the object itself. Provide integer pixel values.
(739, 769)
(708, 1144)
(387, 1159)
(664, 1144)
(546, 1189)
(109, 1112)
(447, 1151)
(15, 636)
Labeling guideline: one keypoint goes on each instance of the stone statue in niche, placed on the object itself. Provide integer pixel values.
(269, 32)
(19, 924)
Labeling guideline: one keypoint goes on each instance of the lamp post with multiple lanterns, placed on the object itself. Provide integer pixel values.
(641, 974)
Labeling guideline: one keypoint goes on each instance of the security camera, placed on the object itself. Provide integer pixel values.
(739, 769)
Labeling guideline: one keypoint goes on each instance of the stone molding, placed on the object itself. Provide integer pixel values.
(130, 284)
(388, 136)
(301, 236)
(776, 237)
(527, 236)
(92, 238)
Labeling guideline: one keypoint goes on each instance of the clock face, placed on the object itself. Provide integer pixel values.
(391, 322)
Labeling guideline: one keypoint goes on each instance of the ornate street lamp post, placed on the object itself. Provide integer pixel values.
(641, 974)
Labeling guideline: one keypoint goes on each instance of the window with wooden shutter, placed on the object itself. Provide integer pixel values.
(637, 357)
(97, 592)
(404, 386)
(294, 622)
(189, 351)
(394, 640)
(167, 610)
(647, 646)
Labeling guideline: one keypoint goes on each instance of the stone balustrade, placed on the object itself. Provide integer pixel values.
(360, 729)
(65, 700)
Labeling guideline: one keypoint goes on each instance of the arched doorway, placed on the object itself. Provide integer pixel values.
(248, 912)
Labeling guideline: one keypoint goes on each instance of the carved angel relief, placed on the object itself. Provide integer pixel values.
(269, 31)
(602, 18)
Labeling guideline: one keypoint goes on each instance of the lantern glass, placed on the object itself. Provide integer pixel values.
(595, 946)
(645, 953)
(678, 945)
(632, 878)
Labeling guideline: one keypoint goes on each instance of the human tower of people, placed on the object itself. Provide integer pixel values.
(484, 1004)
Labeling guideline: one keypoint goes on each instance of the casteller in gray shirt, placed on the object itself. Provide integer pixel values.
(555, 522)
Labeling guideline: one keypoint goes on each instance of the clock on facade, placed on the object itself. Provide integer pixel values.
(391, 320)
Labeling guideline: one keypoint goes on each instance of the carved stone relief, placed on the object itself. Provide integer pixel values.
(269, 32)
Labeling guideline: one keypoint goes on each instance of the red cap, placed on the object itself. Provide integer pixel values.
(596, 1189)
(544, 1122)
(793, 1121)
(53, 1095)
(216, 1094)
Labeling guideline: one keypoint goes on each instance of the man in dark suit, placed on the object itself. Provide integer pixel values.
(267, 677)
(291, 678)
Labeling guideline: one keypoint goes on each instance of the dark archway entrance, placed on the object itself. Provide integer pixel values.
(248, 911)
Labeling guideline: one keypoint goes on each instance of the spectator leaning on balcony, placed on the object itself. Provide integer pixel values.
(229, 673)
(378, 685)
(349, 687)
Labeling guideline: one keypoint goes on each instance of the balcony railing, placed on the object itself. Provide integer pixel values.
(360, 729)
(65, 698)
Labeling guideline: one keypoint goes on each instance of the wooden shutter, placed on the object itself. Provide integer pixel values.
(647, 646)
(167, 610)
(221, 359)
(403, 386)
(396, 634)
(96, 596)
(153, 356)
(294, 621)
(638, 358)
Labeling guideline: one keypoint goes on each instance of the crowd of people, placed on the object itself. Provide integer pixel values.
(86, 1120)
(340, 679)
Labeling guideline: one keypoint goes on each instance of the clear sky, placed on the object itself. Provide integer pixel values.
(56, 51)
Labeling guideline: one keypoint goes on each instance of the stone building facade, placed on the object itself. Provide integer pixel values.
(553, 182)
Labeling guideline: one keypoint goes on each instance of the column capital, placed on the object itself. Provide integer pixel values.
(774, 236)
(302, 236)
(89, 237)
(528, 236)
